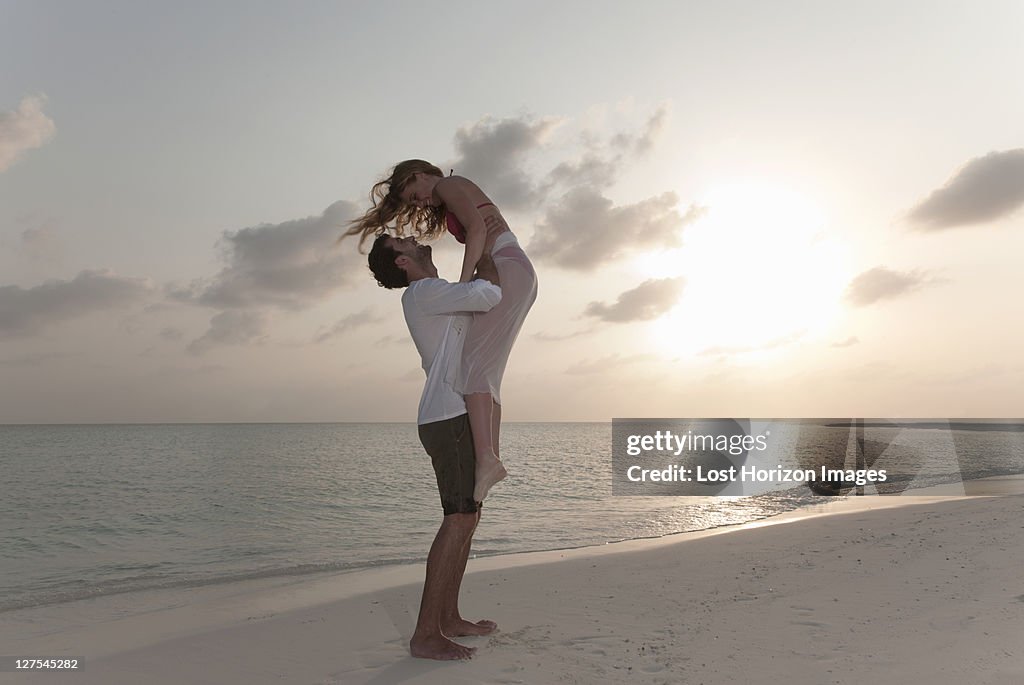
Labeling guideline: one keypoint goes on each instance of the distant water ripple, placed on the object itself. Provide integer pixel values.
(100, 509)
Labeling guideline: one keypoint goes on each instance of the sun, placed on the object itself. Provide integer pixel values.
(761, 271)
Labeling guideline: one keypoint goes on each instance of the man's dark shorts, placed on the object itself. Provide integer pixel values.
(450, 446)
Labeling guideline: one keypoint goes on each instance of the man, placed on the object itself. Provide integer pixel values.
(437, 313)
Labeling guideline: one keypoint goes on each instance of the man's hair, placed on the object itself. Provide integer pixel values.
(382, 263)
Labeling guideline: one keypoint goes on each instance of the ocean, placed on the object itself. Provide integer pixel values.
(92, 510)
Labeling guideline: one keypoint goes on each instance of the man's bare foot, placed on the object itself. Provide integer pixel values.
(462, 628)
(489, 470)
(439, 647)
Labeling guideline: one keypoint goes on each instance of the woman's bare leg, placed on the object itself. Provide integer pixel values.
(495, 428)
(489, 469)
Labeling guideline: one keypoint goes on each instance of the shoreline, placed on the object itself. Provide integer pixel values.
(277, 577)
(150, 627)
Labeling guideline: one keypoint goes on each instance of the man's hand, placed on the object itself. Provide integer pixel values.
(486, 270)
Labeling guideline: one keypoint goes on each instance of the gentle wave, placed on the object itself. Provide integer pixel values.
(148, 507)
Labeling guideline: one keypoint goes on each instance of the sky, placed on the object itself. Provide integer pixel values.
(742, 209)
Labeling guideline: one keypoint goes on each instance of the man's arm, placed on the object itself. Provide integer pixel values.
(441, 297)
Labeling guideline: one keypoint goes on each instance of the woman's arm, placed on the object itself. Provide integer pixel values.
(458, 202)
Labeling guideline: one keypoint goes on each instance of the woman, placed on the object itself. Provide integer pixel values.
(417, 195)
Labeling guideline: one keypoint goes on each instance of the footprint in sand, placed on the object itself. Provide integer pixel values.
(530, 636)
(384, 655)
(598, 645)
(805, 614)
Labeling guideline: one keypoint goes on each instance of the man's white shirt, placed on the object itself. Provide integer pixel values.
(438, 314)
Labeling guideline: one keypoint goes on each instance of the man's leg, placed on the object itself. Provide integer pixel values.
(452, 623)
(445, 563)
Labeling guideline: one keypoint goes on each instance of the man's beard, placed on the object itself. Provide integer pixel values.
(422, 257)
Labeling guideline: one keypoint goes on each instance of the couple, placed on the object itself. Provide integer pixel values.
(463, 332)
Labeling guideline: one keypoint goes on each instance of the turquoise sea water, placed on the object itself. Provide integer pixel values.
(98, 509)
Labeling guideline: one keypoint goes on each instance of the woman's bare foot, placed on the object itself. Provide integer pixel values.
(462, 628)
(439, 647)
(489, 470)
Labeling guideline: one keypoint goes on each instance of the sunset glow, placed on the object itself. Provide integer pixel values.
(760, 271)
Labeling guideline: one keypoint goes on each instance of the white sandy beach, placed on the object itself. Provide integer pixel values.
(869, 589)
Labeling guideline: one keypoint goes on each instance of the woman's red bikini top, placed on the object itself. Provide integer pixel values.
(455, 226)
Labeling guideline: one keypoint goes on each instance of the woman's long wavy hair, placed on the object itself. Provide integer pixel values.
(390, 214)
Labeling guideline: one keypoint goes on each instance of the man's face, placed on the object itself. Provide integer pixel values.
(408, 247)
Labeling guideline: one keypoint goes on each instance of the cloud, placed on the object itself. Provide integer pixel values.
(597, 168)
(40, 242)
(24, 129)
(585, 230)
(350, 322)
(24, 311)
(647, 301)
(985, 189)
(32, 360)
(291, 265)
(582, 228)
(231, 327)
(33, 237)
(177, 373)
(881, 283)
(491, 153)
(592, 170)
(411, 376)
(642, 144)
(554, 337)
(723, 351)
(849, 342)
(387, 340)
(605, 364)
